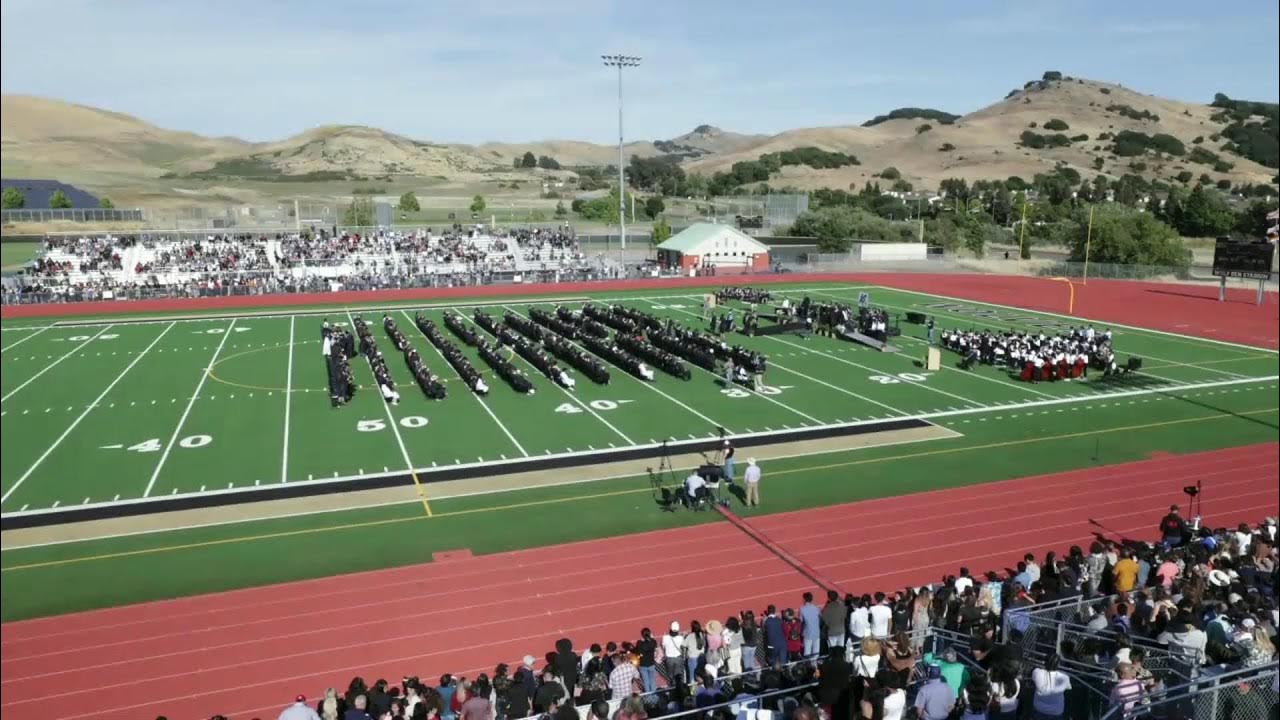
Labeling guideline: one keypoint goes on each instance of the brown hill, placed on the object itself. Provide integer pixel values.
(48, 138)
(985, 143)
(119, 155)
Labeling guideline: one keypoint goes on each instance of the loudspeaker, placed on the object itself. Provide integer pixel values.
(711, 473)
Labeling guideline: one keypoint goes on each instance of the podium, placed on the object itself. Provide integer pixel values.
(932, 359)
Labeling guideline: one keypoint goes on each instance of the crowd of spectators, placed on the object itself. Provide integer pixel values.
(317, 260)
(1201, 600)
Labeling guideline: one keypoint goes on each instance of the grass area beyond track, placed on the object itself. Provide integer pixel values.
(108, 413)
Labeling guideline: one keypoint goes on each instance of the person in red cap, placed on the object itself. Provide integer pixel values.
(298, 710)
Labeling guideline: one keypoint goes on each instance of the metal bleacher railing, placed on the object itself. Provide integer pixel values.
(1245, 694)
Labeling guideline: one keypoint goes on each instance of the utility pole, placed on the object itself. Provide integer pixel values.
(621, 61)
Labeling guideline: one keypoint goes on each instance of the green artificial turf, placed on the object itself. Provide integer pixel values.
(1195, 395)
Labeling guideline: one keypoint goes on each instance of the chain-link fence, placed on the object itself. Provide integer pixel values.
(79, 215)
(1244, 694)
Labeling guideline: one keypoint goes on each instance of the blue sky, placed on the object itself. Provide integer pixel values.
(477, 70)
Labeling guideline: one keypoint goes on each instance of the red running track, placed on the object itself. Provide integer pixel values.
(245, 653)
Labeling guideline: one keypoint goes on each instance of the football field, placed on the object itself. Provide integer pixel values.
(98, 413)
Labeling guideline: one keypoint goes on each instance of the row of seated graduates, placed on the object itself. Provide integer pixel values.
(746, 362)
(342, 346)
(557, 345)
(568, 331)
(1035, 357)
(701, 350)
(489, 353)
(513, 375)
(585, 324)
(431, 385)
(381, 374)
(751, 296)
(629, 338)
(452, 355)
(535, 357)
(594, 336)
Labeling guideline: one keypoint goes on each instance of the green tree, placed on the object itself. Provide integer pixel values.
(694, 185)
(1097, 163)
(59, 200)
(409, 202)
(1205, 214)
(359, 213)
(661, 232)
(529, 160)
(1125, 236)
(1057, 125)
(517, 163)
(546, 162)
(1251, 221)
(477, 204)
(106, 204)
(901, 185)
(13, 199)
(890, 173)
(1184, 177)
(653, 206)
(561, 212)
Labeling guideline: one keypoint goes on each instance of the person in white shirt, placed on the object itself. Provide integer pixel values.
(964, 582)
(692, 485)
(299, 710)
(1051, 688)
(752, 478)
(673, 651)
(881, 617)
(860, 621)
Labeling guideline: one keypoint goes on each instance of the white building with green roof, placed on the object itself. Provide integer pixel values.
(708, 245)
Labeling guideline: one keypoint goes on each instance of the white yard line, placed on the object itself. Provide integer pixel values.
(54, 364)
(82, 415)
(288, 403)
(204, 374)
(1186, 338)
(874, 370)
(779, 403)
(12, 345)
(837, 388)
(483, 404)
(391, 420)
(568, 394)
(1009, 323)
(704, 418)
(680, 445)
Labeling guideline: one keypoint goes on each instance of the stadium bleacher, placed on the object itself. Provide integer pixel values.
(72, 267)
(1182, 628)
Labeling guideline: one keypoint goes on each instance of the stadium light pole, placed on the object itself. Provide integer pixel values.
(621, 61)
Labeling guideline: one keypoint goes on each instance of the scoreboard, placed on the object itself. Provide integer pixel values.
(1250, 260)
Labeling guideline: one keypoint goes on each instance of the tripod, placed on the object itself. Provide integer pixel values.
(657, 481)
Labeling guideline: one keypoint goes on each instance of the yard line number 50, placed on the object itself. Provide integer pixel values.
(409, 421)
